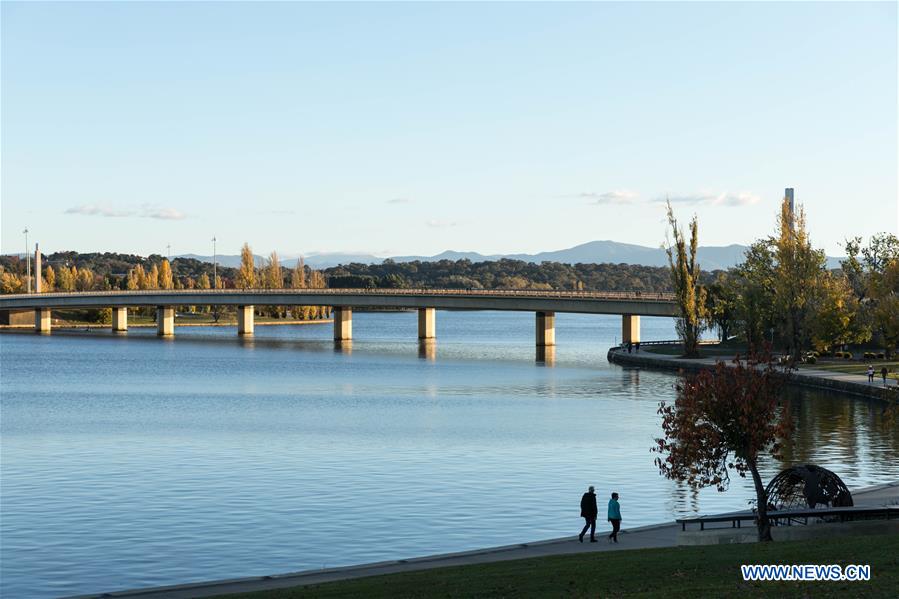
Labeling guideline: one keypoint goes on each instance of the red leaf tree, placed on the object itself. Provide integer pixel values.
(725, 419)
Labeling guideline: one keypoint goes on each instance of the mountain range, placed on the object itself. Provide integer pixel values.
(709, 257)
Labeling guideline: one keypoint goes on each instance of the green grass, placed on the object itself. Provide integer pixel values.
(705, 571)
(854, 367)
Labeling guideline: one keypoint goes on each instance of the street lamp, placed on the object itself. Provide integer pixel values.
(215, 278)
(27, 262)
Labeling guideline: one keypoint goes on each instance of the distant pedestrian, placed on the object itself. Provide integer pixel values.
(870, 373)
(614, 517)
(637, 347)
(883, 373)
(589, 512)
(629, 346)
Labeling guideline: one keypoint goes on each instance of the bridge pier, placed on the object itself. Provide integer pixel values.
(42, 323)
(427, 323)
(245, 320)
(119, 319)
(343, 323)
(546, 329)
(630, 329)
(165, 321)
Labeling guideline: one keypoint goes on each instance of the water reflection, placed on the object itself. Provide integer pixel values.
(427, 349)
(343, 346)
(546, 355)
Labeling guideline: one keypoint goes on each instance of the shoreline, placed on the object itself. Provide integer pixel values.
(806, 377)
(653, 535)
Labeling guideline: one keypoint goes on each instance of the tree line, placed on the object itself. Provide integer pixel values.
(783, 294)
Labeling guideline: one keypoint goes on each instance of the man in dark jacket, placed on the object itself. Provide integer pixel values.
(588, 513)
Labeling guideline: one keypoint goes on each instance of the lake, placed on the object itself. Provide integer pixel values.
(132, 461)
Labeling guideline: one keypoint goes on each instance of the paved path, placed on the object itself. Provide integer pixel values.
(659, 535)
(856, 384)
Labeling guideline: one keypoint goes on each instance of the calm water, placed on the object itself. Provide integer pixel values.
(134, 461)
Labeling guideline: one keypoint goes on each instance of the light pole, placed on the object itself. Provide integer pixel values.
(215, 277)
(27, 263)
(168, 251)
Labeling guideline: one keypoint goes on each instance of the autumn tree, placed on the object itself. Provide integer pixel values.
(84, 279)
(685, 278)
(165, 275)
(835, 321)
(872, 274)
(885, 293)
(798, 270)
(50, 278)
(203, 282)
(246, 276)
(152, 277)
(725, 420)
(272, 275)
(65, 280)
(10, 282)
(298, 276)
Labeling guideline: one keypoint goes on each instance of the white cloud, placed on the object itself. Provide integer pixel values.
(618, 196)
(724, 198)
(163, 213)
(146, 211)
(441, 224)
(97, 210)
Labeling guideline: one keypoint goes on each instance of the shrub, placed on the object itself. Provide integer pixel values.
(811, 360)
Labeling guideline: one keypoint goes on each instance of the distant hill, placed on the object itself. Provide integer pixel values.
(593, 252)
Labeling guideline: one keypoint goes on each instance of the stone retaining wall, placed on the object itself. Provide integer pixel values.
(647, 360)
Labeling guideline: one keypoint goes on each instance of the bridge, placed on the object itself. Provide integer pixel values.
(544, 304)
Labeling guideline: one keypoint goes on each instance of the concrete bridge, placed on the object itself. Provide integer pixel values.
(544, 304)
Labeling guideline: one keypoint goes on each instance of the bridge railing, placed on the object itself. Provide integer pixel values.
(601, 295)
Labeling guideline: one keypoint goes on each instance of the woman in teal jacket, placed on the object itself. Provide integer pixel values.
(614, 517)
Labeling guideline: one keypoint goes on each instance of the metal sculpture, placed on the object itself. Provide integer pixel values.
(807, 487)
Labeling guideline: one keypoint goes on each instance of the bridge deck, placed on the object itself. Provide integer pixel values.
(588, 302)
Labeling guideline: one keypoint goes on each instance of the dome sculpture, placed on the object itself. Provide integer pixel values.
(807, 487)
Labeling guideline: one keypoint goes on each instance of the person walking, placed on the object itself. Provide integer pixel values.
(614, 517)
(589, 512)
(883, 373)
(870, 373)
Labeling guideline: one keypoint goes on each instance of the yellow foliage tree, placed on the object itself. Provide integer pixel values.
(153, 278)
(246, 276)
(50, 278)
(165, 275)
(685, 277)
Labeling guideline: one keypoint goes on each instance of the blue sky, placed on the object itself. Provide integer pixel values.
(414, 128)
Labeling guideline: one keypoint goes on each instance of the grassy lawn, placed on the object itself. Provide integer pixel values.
(705, 571)
(854, 367)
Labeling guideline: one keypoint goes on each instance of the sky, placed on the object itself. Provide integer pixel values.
(413, 128)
